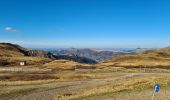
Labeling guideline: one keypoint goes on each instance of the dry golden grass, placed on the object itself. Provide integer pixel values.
(60, 75)
(70, 75)
(9, 51)
(17, 91)
(20, 83)
(144, 64)
(65, 64)
(27, 77)
(146, 60)
(13, 61)
(11, 55)
(139, 83)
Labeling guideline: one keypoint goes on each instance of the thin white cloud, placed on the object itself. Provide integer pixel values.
(11, 41)
(10, 29)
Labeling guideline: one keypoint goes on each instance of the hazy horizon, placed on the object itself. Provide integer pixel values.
(41, 46)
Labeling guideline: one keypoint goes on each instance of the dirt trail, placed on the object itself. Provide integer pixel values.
(48, 91)
(164, 94)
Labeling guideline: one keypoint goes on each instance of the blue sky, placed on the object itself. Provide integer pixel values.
(86, 23)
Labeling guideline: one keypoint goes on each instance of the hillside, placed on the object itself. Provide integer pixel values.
(158, 58)
(12, 54)
(11, 50)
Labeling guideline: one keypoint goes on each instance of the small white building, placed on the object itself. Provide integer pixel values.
(22, 63)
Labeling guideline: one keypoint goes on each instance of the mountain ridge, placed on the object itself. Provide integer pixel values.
(13, 53)
(95, 54)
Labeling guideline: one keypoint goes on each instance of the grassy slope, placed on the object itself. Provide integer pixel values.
(67, 65)
(134, 85)
(9, 51)
(150, 59)
(12, 55)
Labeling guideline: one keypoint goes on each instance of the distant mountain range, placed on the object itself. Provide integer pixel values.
(99, 55)
(10, 52)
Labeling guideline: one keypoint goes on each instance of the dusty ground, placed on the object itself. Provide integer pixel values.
(164, 94)
(59, 89)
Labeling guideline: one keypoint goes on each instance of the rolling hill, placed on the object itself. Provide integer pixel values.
(12, 54)
(157, 58)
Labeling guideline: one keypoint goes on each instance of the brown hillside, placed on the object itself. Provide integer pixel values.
(159, 58)
(11, 50)
(11, 54)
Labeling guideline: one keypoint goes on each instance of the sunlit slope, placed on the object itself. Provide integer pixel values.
(158, 58)
(10, 50)
(11, 54)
